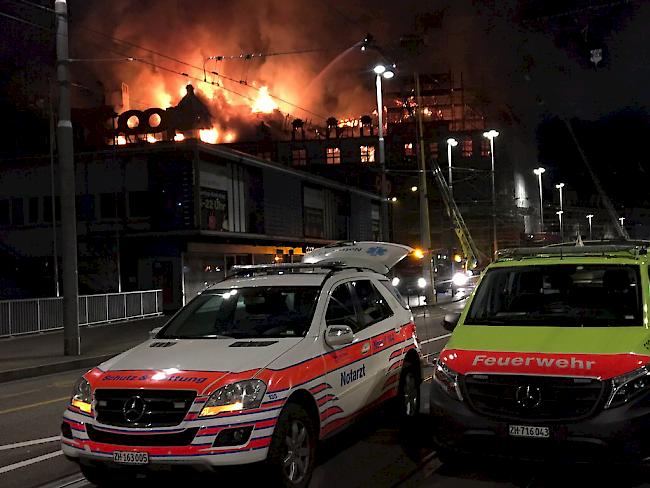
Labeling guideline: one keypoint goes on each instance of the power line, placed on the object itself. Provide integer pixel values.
(250, 56)
(27, 22)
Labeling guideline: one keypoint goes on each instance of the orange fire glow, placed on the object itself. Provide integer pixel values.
(151, 138)
(230, 136)
(121, 140)
(210, 136)
(179, 137)
(264, 103)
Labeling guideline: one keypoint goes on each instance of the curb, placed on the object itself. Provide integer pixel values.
(44, 369)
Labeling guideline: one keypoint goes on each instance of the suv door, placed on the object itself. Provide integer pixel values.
(349, 367)
(383, 325)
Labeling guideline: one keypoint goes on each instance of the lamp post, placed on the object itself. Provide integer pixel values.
(589, 217)
(451, 142)
(621, 219)
(382, 71)
(491, 135)
(539, 172)
(559, 216)
(560, 186)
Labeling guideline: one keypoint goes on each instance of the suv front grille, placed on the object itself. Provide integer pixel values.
(183, 438)
(533, 397)
(142, 408)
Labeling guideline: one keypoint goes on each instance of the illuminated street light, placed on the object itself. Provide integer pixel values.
(539, 172)
(589, 217)
(559, 216)
(394, 199)
(414, 188)
(621, 219)
(491, 135)
(451, 142)
(387, 72)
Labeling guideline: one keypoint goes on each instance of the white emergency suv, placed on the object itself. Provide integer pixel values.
(259, 367)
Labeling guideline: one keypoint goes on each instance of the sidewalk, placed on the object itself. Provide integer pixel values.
(39, 354)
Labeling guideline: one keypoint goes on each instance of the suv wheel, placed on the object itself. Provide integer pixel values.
(293, 448)
(408, 394)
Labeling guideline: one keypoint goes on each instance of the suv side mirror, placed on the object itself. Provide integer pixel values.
(338, 335)
(450, 321)
(154, 332)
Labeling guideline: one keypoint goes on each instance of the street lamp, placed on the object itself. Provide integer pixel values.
(451, 142)
(414, 188)
(385, 72)
(539, 172)
(621, 219)
(589, 217)
(559, 216)
(559, 186)
(491, 135)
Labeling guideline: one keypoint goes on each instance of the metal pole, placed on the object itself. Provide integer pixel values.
(382, 161)
(71, 343)
(589, 217)
(495, 248)
(451, 185)
(425, 232)
(541, 204)
(55, 252)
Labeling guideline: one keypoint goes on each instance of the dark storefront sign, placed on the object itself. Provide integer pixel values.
(214, 209)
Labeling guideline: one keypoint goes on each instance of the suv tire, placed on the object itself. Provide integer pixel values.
(293, 448)
(408, 395)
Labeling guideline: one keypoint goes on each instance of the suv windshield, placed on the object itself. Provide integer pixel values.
(558, 295)
(275, 311)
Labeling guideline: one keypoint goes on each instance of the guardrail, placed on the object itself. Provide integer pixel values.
(28, 316)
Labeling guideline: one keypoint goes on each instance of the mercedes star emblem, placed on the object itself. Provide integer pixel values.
(133, 409)
(528, 397)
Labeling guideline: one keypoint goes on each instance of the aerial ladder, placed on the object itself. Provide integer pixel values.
(461, 230)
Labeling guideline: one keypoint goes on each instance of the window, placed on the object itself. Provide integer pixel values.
(340, 309)
(333, 155)
(299, 157)
(408, 149)
(485, 148)
(375, 221)
(214, 209)
(372, 304)
(139, 204)
(32, 211)
(4, 212)
(466, 147)
(47, 208)
(85, 207)
(17, 212)
(395, 292)
(313, 212)
(111, 205)
(367, 154)
(433, 150)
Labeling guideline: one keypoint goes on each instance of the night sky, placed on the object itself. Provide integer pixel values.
(528, 60)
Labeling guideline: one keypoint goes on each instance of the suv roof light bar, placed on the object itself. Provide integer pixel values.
(571, 251)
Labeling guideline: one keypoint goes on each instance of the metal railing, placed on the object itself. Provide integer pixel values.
(28, 316)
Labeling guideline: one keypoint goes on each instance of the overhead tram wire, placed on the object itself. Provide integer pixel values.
(184, 63)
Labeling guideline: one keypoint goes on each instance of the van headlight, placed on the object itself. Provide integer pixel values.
(82, 395)
(242, 395)
(447, 378)
(628, 386)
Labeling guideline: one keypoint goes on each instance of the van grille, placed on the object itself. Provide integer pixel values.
(533, 397)
(160, 408)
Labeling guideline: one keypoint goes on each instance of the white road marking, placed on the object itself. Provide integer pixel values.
(438, 338)
(16, 445)
(27, 462)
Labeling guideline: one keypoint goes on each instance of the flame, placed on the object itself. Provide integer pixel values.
(121, 140)
(264, 103)
(230, 136)
(210, 136)
(179, 137)
(151, 138)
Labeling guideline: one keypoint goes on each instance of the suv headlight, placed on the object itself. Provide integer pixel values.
(242, 395)
(82, 395)
(447, 378)
(628, 386)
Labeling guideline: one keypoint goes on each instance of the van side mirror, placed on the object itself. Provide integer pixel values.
(154, 332)
(450, 321)
(338, 335)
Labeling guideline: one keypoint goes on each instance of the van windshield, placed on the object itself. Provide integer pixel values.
(559, 295)
(269, 311)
